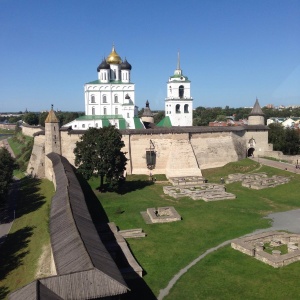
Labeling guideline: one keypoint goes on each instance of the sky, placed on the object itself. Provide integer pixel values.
(233, 51)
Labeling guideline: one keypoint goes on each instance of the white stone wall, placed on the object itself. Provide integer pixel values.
(36, 165)
(31, 130)
(261, 141)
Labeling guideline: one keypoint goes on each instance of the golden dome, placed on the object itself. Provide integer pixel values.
(113, 57)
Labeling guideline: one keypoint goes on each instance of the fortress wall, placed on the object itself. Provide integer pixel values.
(68, 143)
(214, 149)
(36, 165)
(162, 144)
(31, 130)
(261, 141)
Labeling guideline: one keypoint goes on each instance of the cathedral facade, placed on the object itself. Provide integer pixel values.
(110, 100)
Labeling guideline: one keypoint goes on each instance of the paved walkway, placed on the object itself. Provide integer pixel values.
(289, 221)
(277, 164)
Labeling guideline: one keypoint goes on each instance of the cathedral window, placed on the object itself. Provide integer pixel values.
(116, 99)
(104, 99)
(83, 125)
(186, 108)
(93, 110)
(96, 125)
(170, 89)
(127, 115)
(116, 111)
(92, 99)
(181, 91)
(177, 109)
(104, 110)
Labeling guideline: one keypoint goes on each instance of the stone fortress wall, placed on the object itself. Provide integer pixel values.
(180, 151)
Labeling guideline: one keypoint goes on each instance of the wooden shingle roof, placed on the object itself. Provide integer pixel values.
(85, 269)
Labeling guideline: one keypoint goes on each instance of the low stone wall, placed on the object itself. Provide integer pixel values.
(254, 245)
(8, 126)
(163, 214)
(31, 130)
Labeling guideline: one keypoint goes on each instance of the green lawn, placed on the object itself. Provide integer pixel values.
(29, 233)
(170, 247)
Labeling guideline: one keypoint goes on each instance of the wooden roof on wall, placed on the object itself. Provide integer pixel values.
(85, 269)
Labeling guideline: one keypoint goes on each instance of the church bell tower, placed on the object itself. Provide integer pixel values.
(179, 103)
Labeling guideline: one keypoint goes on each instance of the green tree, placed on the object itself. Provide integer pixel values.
(99, 152)
(291, 144)
(276, 136)
(31, 118)
(7, 165)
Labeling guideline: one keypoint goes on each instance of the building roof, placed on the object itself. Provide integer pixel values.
(51, 118)
(138, 123)
(113, 57)
(85, 269)
(110, 82)
(165, 122)
(256, 110)
(125, 65)
(104, 65)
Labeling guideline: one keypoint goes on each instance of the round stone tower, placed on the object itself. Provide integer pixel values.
(256, 116)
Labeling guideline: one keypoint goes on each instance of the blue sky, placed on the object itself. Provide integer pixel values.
(232, 50)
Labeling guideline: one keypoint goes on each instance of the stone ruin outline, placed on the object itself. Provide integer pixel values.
(196, 188)
(257, 181)
(254, 246)
(165, 214)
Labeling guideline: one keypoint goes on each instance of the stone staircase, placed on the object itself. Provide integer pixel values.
(182, 160)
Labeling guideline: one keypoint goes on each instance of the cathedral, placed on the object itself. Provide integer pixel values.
(110, 100)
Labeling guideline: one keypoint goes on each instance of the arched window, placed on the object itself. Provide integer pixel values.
(116, 111)
(93, 110)
(186, 108)
(116, 99)
(170, 89)
(104, 110)
(104, 99)
(181, 91)
(177, 108)
(92, 99)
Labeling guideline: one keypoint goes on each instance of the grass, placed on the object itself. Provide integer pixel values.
(23, 246)
(17, 144)
(170, 247)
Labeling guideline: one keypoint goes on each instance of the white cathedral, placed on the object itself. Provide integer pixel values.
(110, 100)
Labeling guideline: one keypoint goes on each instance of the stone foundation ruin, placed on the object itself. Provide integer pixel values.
(274, 248)
(257, 181)
(197, 191)
(161, 215)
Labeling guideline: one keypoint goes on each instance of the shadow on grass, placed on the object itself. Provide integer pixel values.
(139, 289)
(95, 208)
(4, 291)
(13, 250)
(131, 186)
(29, 198)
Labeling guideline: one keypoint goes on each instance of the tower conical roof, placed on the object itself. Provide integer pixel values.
(51, 118)
(256, 110)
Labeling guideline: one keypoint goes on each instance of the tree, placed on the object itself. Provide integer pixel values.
(276, 136)
(99, 152)
(31, 118)
(7, 165)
